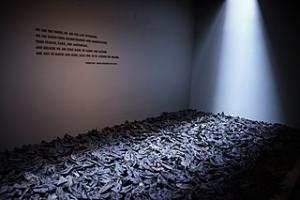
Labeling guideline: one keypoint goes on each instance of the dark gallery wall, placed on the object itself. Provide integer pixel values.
(245, 60)
(209, 20)
(281, 20)
(43, 97)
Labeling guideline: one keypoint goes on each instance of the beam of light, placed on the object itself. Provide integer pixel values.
(245, 84)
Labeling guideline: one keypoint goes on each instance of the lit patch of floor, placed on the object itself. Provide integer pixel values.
(181, 155)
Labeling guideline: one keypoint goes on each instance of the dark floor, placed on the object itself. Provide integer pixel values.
(181, 155)
(295, 195)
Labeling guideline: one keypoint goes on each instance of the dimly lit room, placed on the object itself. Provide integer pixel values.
(150, 99)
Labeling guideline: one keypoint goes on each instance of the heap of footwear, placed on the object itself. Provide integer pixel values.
(180, 155)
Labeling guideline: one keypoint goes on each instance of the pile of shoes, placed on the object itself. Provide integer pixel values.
(180, 155)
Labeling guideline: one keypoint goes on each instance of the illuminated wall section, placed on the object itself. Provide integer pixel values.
(244, 82)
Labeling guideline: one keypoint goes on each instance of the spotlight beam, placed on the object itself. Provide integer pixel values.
(245, 84)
